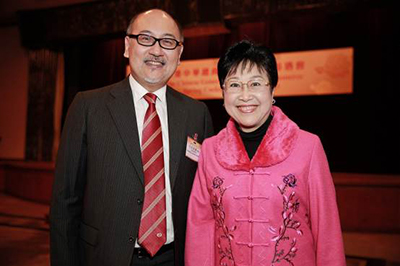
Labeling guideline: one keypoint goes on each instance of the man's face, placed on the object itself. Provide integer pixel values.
(153, 66)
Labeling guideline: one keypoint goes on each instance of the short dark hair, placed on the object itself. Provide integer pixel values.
(249, 53)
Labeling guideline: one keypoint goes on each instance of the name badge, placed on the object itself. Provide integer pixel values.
(193, 149)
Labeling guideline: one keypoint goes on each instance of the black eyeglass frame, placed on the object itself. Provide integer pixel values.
(136, 36)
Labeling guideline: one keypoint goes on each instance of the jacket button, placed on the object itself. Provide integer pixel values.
(131, 239)
(139, 201)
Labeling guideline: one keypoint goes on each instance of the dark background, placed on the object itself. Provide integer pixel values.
(360, 132)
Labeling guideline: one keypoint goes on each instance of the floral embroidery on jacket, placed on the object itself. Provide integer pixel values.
(285, 247)
(225, 239)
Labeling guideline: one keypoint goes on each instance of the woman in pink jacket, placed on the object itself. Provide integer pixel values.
(263, 193)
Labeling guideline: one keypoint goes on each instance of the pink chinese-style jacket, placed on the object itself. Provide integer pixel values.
(277, 209)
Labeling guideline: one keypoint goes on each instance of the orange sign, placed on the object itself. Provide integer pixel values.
(197, 79)
(317, 72)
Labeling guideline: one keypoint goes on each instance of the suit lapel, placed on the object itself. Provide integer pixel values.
(177, 116)
(123, 113)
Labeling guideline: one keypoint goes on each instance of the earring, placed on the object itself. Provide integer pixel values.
(273, 101)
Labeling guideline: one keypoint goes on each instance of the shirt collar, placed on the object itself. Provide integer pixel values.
(138, 91)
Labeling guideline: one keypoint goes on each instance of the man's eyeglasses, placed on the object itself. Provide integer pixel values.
(148, 40)
(254, 86)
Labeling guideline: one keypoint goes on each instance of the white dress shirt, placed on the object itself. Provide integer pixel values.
(141, 106)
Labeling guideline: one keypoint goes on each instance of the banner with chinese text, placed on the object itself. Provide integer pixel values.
(317, 72)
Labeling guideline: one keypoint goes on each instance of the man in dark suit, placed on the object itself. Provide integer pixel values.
(99, 187)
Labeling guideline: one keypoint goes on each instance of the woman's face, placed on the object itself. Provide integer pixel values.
(248, 97)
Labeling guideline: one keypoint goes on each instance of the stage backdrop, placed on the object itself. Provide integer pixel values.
(317, 72)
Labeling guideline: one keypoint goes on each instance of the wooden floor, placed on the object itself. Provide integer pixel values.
(374, 246)
(24, 232)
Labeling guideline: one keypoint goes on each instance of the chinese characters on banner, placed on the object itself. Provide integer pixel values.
(317, 72)
(197, 79)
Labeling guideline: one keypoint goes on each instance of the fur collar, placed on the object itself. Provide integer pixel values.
(274, 148)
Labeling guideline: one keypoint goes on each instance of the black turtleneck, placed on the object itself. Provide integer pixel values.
(252, 140)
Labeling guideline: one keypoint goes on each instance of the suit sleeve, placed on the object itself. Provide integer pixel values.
(68, 188)
(199, 249)
(208, 125)
(324, 216)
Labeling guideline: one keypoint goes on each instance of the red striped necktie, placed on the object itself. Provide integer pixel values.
(152, 231)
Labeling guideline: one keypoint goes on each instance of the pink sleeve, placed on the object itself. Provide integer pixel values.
(324, 216)
(199, 249)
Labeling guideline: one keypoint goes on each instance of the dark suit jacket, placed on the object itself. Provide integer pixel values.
(98, 188)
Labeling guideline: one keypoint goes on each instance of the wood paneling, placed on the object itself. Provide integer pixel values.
(29, 180)
(368, 203)
(2, 177)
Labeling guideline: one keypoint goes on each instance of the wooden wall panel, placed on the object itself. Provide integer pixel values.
(29, 180)
(2, 177)
(368, 203)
